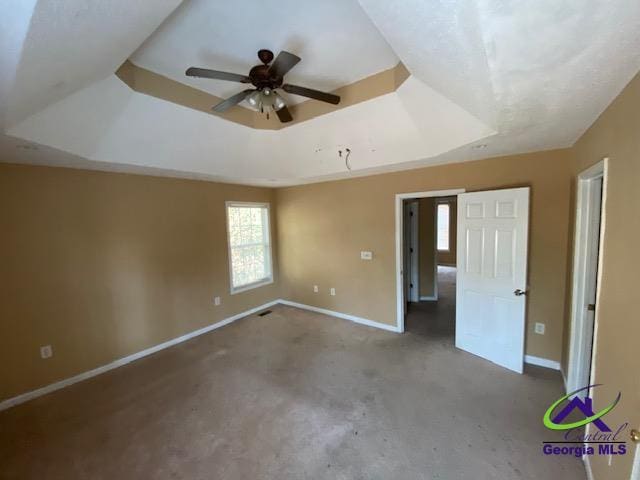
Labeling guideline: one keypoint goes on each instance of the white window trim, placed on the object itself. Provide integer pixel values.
(233, 290)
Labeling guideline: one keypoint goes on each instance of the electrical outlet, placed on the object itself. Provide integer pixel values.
(216, 301)
(316, 289)
(539, 328)
(332, 291)
(366, 255)
(46, 351)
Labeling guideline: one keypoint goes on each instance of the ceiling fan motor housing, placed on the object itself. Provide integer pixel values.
(261, 78)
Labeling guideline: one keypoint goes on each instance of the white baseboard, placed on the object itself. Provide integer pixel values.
(5, 404)
(432, 298)
(345, 316)
(11, 402)
(542, 362)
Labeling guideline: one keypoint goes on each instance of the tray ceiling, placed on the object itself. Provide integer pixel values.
(510, 76)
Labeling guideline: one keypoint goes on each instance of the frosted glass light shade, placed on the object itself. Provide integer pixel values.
(254, 99)
(278, 102)
(265, 100)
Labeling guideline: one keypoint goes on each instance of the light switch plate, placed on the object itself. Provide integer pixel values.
(316, 289)
(366, 255)
(332, 291)
(539, 328)
(216, 301)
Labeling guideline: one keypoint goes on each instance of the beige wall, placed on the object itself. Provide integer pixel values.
(616, 135)
(102, 265)
(426, 246)
(449, 258)
(324, 226)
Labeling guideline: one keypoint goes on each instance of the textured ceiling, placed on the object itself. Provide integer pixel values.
(71, 44)
(538, 72)
(514, 76)
(336, 40)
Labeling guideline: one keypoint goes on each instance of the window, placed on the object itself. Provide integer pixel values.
(249, 245)
(443, 226)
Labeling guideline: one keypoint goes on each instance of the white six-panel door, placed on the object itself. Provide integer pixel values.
(492, 275)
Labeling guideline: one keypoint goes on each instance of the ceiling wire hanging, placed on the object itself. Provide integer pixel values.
(347, 152)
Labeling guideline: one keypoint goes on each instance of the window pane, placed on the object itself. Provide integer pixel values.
(443, 226)
(248, 244)
(256, 216)
(256, 234)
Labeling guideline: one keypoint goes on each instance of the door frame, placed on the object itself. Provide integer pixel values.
(413, 209)
(635, 470)
(582, 273)
(399, 200)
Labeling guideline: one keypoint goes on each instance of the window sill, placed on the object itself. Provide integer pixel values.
(251, 286)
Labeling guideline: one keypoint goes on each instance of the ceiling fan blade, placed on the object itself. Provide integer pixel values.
(310, 93)
(215, 74)
(284, 115)
(284, 62)
(231, 101)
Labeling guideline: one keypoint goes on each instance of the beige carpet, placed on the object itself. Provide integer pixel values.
(294, 395)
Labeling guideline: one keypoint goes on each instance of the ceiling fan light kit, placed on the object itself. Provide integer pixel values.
(266, 100)
(266, 79)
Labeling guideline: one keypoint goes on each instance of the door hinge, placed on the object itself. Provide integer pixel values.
(591, 307)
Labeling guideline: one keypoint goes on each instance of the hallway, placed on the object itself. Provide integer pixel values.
(436, 318)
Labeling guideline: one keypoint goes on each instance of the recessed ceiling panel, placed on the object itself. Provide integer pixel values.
(109, 122)
(336, 40)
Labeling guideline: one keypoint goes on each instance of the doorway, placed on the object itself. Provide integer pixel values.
(403, 205)
(491, 271)
(589, 228)
(430, 266)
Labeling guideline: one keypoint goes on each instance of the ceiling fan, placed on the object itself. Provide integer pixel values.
(267, 79)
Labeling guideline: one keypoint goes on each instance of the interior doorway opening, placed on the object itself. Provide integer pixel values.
(416, 249)
(589, 230)
(430, 265)
(491, 270)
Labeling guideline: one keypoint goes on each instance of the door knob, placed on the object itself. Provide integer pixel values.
(519, 293)
(635, 435)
